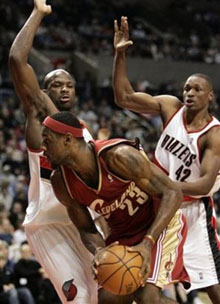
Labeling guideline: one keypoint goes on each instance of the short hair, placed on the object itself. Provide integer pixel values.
(51, 75)
(67, 118)
(205, 77)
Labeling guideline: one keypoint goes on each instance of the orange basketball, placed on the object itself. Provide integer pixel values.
(118, 270)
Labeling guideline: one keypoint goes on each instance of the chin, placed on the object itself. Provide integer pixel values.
(66, 106)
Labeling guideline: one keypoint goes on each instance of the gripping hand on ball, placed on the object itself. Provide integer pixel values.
(145, 250)
(98, 254)
(42, 6)
(121, 36)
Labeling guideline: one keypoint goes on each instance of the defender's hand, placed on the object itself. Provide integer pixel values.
(43, 7)
(121, 36)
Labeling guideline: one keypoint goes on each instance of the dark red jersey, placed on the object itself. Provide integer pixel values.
(128, 210)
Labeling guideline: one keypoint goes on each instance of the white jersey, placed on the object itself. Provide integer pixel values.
(178, 152)
(43, 206)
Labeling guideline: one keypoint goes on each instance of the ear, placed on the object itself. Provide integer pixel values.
(211, 96)
(68, 138)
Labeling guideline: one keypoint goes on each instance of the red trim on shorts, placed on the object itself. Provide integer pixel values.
(179, 272)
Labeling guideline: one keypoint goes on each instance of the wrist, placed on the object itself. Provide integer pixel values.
(149, 239)
(39, 12)
(120, 53)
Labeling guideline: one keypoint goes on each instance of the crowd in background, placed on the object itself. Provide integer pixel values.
(183, 30)
(90, 31)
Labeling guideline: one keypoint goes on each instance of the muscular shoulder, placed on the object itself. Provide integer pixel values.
(212, 137)
(169, 105)
(126, 161)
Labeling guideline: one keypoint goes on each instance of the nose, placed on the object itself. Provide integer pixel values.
(191, 92)
(64, 88)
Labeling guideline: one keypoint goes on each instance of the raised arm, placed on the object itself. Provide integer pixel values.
(23, 75)
(78, 213)
(124, 94)
(35, 102)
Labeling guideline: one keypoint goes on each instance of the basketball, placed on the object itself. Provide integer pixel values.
(118, 270)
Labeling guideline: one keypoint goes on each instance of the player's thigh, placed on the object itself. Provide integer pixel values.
(149, 294)
(214, 293)
(107, 298)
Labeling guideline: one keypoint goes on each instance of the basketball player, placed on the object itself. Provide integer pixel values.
(189, 152)
(54, 240)
(115, 179)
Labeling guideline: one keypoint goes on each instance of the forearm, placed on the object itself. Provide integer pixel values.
(92, 241)
(24, 40)
(121, 84)
(201, 187)
(90, 236)
(170, 203)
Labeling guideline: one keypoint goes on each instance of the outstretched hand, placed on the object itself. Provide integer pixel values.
(121, 36)
(42, 6)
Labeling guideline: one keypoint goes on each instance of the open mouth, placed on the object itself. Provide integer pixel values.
(65, 98)
(189, 102)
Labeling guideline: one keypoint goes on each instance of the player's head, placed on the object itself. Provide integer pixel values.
(61, 131)
(60, 86)
(198, 92)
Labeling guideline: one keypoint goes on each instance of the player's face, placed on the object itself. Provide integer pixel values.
(61, 90)
(197, 93)
(53, 147)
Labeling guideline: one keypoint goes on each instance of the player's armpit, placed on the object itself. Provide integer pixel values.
(78, 214)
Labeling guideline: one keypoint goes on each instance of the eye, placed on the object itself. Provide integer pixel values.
(186, 88)
(197, 89)
(56, 84)
(70, 85)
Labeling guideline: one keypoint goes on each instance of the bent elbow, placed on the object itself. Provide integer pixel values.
(121, 101)
(14, 58)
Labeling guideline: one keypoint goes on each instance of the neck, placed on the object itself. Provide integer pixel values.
(84, 164)
(196, 119)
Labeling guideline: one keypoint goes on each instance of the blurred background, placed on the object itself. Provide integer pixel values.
(172, 39)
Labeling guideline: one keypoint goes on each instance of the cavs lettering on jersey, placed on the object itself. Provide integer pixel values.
(178, 151)
(128, 210)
